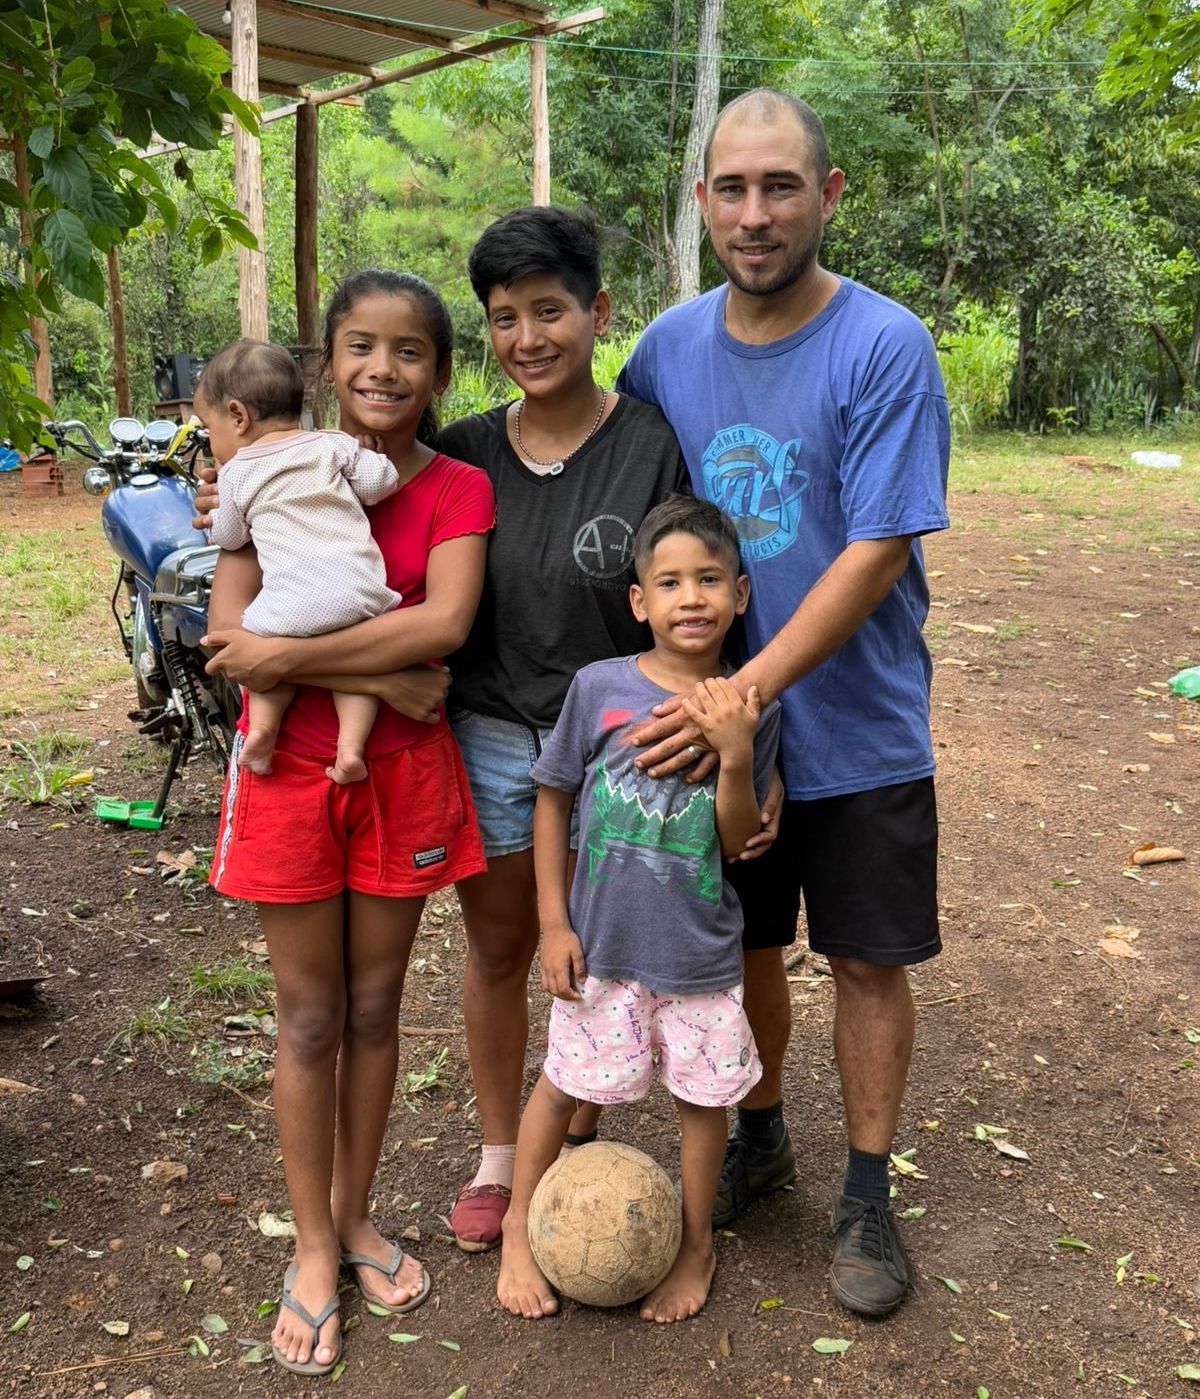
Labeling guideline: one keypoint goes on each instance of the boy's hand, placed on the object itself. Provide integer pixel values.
(562, 965)
(370, 441)
(206, 498)
(723, 718)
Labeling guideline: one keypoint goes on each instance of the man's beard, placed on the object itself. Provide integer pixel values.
(768, 283)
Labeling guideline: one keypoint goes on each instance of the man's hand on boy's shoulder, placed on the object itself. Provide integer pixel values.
(562, 964)
(726, 721)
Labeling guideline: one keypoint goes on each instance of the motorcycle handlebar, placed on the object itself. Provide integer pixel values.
(59, 432)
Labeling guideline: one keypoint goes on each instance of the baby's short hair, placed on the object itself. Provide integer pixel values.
(264, 377)
(687, 514)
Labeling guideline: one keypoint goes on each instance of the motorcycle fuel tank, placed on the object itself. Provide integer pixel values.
(146, 522)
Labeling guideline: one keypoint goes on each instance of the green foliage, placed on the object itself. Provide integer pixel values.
(45, 770)
(977, 359)
(232, 981)
(83, 80)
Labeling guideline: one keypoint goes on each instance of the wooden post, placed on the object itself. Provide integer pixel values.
(247, 174)
(116, 312)
(539, 108)
(43, 374)
(308, 327)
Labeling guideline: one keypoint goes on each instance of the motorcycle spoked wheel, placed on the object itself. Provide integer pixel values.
(148, 697)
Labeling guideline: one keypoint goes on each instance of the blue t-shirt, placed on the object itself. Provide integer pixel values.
(649, 900)
(837, 433)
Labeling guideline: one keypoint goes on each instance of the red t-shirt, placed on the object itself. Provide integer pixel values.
(444, 500)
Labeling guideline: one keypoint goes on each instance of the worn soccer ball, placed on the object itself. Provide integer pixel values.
(604, 1224)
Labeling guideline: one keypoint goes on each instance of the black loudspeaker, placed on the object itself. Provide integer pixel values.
(175, 376)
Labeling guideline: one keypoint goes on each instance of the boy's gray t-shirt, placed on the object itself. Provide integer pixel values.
(649, 900)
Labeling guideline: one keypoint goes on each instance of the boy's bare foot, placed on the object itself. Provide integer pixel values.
(684, 1290)
(316, 1281)
(348, 768)
(522, 1287)
(364, 1238)
(257, 751)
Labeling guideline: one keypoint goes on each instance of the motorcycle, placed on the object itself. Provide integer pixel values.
(160, 603)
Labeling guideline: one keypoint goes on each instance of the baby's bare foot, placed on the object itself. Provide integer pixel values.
(684, 1290)
(348, 768)
(257, 751)
(522, 1286)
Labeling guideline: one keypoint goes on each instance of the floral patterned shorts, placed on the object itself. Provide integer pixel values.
(603, 1048)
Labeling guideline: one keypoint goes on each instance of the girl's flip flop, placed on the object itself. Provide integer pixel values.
(360, 1260)
(309, 1367)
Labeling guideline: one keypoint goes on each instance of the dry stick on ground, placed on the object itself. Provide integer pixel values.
(941, 1000)
(116, 1360)
(429, 1030)
(246, 1098)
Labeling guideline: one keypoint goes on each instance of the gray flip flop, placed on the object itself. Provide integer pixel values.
(360, 1260)
(309, 1367)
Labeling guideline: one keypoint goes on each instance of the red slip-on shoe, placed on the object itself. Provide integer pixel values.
(477, 1215)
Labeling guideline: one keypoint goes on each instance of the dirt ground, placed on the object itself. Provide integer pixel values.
(1057, 617)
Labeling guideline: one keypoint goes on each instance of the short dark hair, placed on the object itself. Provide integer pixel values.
(766, 103)
(687, 514)
(262, 376)
(547, 239)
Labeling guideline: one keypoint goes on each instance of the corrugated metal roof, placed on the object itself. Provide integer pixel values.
(298, 45)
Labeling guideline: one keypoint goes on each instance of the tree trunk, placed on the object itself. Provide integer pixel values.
(704, 112)
(116, 312)
(668, 266)
(247, 174)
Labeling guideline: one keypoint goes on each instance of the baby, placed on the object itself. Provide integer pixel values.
(299, 497)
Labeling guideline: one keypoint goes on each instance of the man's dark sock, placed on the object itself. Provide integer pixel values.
(762, 1128)
(867, 1178)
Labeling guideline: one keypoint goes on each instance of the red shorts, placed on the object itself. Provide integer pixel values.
(295, 837)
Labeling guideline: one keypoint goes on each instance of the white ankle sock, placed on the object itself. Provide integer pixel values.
(496, 1166)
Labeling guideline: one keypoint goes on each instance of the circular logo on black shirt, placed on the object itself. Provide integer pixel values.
(604, 546)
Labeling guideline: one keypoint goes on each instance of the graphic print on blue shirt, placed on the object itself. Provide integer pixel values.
(757, 481)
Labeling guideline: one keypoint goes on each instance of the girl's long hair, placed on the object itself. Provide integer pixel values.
(375, 280)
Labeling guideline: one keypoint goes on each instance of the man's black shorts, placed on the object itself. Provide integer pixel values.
(866, 864)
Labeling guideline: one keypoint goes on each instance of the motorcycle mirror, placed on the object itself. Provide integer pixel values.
(160, 432)
(126, 432)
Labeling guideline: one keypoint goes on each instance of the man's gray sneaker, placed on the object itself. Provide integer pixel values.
(748, 1174)
(870, 1272)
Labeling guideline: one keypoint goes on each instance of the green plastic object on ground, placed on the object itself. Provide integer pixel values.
(1186, 684)
(139, 815)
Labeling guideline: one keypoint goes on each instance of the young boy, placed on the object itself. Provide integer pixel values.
(299, 496)
(644, 955)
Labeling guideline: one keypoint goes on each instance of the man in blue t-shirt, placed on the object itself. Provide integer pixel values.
(812, 410)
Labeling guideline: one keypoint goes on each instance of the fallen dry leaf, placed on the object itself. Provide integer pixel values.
(1117, 947)
(1136, 767)
(1122, 931)
(1159, 737)
(10, 1085)
(1151, 854)
(164, 1172)
(980, 628)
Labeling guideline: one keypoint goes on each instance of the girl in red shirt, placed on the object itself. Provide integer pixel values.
(339, 874)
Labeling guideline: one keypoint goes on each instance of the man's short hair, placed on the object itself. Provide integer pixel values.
(765, 104)
(687, 514)
(262, 376)
(543, 239)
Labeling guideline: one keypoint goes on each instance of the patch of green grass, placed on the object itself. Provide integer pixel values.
(233, 981)
(214, 1066)
(45, 769)
(160, 1022)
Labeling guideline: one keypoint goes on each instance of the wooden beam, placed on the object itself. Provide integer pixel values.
(300, 94)
(304, 59)
(247, 175)
(386, 28)
(43, 373)
(116, 314)
(568, 24)
(506, 9)
(539, 112)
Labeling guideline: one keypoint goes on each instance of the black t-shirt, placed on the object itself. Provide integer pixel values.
(560, 560)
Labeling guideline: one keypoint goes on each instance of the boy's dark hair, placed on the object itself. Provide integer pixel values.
(543, 239)
(687, 514)
(262, 376)
(765, 104)
(373, 281)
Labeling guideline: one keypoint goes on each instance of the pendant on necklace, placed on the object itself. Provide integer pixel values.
(555, 470)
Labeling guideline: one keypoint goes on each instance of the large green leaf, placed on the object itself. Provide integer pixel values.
(40, 141)
(68, 176)
(70, 248)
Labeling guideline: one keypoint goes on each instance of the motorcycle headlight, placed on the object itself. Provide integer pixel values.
(95, 480)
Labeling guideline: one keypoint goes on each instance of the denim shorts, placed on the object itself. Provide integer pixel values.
(498, 755)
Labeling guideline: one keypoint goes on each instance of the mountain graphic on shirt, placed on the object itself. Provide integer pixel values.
(634, 811)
